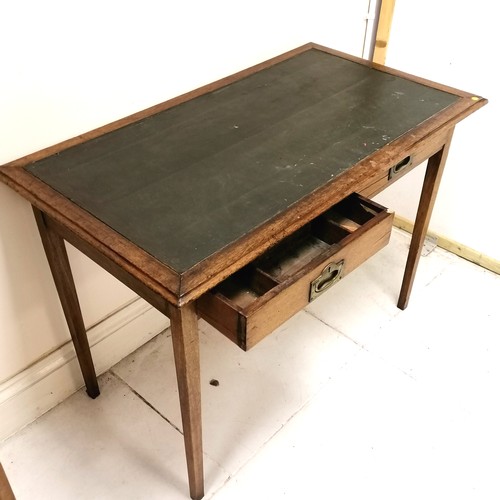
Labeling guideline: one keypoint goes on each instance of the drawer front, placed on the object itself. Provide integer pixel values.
(407, 162)
(253, 302)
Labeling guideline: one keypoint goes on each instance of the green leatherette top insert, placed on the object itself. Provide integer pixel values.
(186, 182)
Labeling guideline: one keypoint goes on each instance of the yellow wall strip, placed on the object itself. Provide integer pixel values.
(454, 247)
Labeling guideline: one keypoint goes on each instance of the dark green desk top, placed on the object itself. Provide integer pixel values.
(186, 182)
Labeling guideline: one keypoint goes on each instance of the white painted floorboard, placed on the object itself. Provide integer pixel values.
(350, 399)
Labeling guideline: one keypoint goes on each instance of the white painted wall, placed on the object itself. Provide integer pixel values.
(456, 44)
(68, 67)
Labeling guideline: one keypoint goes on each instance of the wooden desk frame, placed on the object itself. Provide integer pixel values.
(175, 294)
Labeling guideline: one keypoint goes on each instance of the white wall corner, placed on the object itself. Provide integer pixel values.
(41, 386)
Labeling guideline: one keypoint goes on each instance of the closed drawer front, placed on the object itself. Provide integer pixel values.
(406, 163)
(253, 302)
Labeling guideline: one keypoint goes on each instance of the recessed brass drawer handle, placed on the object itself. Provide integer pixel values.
(399, 167)
(328, 277)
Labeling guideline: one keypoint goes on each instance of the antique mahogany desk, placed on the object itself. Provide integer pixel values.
(240, 201)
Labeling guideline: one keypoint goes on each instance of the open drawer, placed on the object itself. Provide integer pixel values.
(254, 301)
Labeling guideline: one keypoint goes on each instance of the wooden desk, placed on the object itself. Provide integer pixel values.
(178, 199)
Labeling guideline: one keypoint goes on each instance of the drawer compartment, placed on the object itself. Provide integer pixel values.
(254, 301)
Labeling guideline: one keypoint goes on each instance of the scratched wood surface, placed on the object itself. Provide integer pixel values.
(186, 182)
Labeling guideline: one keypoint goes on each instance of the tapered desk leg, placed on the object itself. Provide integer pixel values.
(6, 492)
(63, 278)
(184, 325)
(433, 174)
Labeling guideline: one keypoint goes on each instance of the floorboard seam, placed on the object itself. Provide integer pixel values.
(333, 328)
(146, 402)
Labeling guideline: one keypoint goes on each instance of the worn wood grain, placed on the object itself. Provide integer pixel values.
(418, 155)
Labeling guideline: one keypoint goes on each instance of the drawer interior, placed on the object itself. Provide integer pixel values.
(311, 243)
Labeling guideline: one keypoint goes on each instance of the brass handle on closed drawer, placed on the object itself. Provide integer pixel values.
(399, 167)
(328, 277)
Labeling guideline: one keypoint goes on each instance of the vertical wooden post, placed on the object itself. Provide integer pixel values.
(65, 285)
(383, 31)
(433, 174)
(184, 325)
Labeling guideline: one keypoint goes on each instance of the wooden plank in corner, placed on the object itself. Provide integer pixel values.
(383, 31)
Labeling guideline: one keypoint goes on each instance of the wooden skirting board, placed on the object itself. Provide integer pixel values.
(53, 378)
(454, 247)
